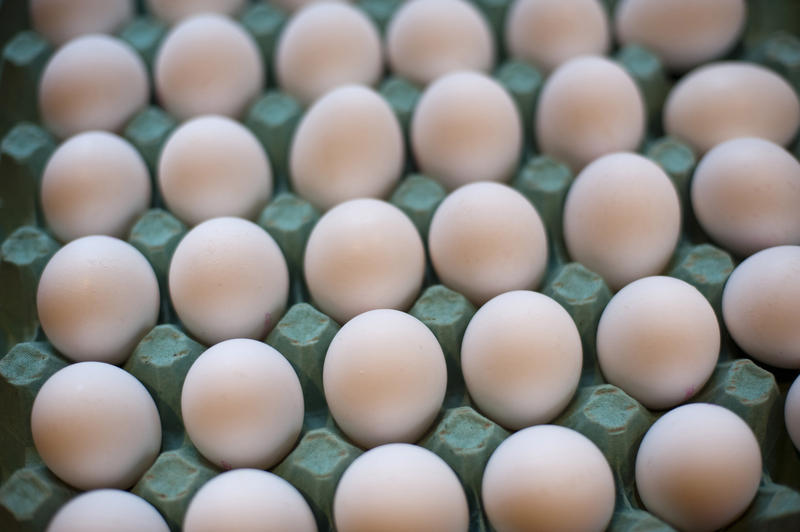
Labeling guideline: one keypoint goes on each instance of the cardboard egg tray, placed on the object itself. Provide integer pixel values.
(30, 495)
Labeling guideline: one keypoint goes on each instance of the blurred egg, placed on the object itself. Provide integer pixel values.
(92, 82)
(242, 404)
(521, 358)
(547, 33)
(548, 478)
(248, 500)
(589, 106)
(746, 195)
(426, 39)
(658, 340)
(95, 183)
(348, 145)
(173, 11)
(208, 64)
(683, 33)
(325, 45)
(761, 306)
(400, 487)
(363, 254)
(384, 378)
(104, 510)
(95, 426)
(722, 101)
(698, 467)
(213, 166)
(486, 239)
(466, 128)
(59, 21)
(228, 279)
(97, 297)
(622, 218)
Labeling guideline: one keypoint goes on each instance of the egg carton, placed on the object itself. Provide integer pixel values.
(465, 439)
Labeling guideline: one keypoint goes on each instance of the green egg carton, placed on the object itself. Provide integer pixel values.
(465, 439)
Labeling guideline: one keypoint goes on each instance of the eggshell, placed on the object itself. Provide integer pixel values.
(547, 33)
(761, 306)
(466, 128)
(722, 101)
(746, 193)
(348, 145)
(384, 378)
(486, 239)
(103, 510)
(208, 64)
(242, 404)
(658, 339)
(92, 82)
(622, 218)
(426, 39)
(248, 500)
(95, 426)
(683, 33)
(213, 166)
(94, 183)
(59, 21)
(228, 279)
(698, 467)
(521, 358)
(400, 487)
(548, 478)
(792, 412)
(173, 11)
(325, 45)
(363, 254)
(589, 106)
(97, 297)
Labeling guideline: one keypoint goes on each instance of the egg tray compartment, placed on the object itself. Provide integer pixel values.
(30, 494)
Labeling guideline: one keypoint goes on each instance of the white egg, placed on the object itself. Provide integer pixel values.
(208, 64)
(363, 254)
(589, 106)
(97, 297)
(683, 33)
(426, 39)
(228, 279)
(95, 183)
(547, 33)
(173, 11)
(658, 339)
(722, 101)
(521, 358)
(698, 467)
(548, 478)
(622, 218)
(92, 82)
(103, 510)
(348, 145)
(745, 194)
(791, 413)
(384, 378)
(213, 166)
(466, 128)
(95, 426)
(761, 306)
(248, 500)
(400, 487)
(486, 239)
(59, 21)
(325, 45)
(242, 404)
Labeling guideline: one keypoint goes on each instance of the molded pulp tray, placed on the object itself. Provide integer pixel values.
(30, 495)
